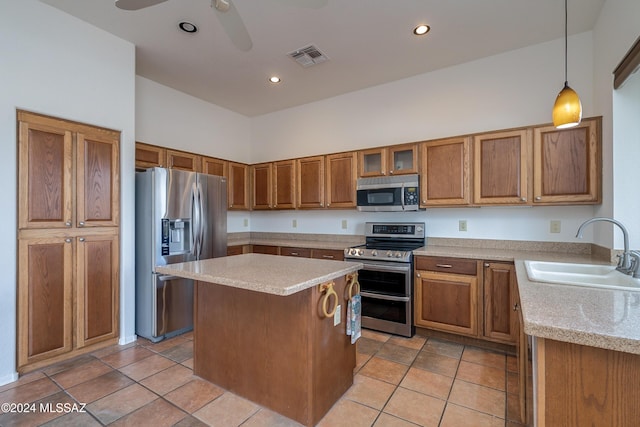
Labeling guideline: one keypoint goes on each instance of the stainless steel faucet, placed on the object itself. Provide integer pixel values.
(624, 264)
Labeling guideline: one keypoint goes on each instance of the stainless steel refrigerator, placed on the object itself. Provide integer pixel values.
(180, 216)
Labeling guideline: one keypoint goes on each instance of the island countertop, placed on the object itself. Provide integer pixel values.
(272, 274)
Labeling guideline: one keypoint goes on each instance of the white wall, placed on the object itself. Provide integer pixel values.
(513, 89)
(174, 119)
(54, 64)
(614, 33)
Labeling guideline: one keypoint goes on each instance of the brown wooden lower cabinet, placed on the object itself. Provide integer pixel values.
(68, 295)
(580, 385)
(501, 302)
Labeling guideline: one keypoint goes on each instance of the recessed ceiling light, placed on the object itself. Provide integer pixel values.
(187, 27)
(274, 79)
(421, 30)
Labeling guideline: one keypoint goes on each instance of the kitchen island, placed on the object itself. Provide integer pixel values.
(263, 329)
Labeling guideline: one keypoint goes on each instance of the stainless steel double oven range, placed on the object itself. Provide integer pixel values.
(386, 281)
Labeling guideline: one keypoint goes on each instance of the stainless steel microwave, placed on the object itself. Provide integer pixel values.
(388, 193)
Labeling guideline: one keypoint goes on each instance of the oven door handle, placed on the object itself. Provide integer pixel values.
(386, 267)
(385, 297)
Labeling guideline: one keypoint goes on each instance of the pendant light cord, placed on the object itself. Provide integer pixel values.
(566, 50)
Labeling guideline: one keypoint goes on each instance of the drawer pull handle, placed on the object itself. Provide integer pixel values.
(294, 253)
(328, 288)
(353, 283)
(328, 256)
(444, 265)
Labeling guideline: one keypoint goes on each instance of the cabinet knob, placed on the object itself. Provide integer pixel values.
(81, 223)
(516, 306)
(538, 198)
(486, 264)
(418, 275)
(321, 204)
(81, 239)
(67, 240)
(523, 199)
(68, 223)
(390, 172)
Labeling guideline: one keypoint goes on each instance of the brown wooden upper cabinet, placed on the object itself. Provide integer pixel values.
(47, 174)
(567, 164)
(262, 186)
(327, 181)
(273, 185)
(393, 160)
(238, 183)
(445, 168)
(310, 182)
(341, 180)
(500, 163)
(150, 156)
(213, 166)
(284, 184)
(184, 161)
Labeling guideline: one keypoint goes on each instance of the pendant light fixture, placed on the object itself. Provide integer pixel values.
(567, 111)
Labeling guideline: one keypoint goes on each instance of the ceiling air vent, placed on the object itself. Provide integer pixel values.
(308, 56)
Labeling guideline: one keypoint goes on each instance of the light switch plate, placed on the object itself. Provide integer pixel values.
(462, 225)
(554, 226)
(294, 223)
(344, 224)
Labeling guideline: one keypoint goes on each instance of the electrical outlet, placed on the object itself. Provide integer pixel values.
(246, 222)
(294, 223)
(462, 225)
(336, 316)
(344, 224)
(554, 226)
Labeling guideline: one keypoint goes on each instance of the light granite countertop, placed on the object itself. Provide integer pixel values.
(272, 274)
(601, 318)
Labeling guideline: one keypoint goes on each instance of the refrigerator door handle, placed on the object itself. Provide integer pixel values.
(194, 221)
(201, 220)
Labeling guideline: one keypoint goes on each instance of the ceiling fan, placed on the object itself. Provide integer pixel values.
(227, 15)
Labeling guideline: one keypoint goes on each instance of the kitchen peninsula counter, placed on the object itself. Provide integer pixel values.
(263, 329)
(603, 318)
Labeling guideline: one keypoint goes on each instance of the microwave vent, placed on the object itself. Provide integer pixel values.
(308, 56)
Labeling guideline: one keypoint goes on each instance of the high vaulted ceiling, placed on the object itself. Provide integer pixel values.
(368, 42)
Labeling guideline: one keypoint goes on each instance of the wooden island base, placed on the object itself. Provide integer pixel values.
(278, 351)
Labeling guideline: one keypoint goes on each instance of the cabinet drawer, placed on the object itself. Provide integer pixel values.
(328, 254)
(299, 252)
(265, 249)
(447, 265)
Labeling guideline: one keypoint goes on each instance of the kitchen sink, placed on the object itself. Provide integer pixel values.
(589, 275)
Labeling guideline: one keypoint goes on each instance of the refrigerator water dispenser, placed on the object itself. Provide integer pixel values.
(176, 236)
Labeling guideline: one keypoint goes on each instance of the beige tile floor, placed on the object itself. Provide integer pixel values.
(397, 382)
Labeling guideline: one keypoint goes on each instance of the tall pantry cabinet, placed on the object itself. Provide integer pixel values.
(68, 239)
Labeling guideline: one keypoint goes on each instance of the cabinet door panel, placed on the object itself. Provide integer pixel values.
(44, 188)
(566, 164)
(445, 172)
(310, 182)
(214, 166)
(341, 180)
(284, 184)
(238, 193)
(183, 161)
(500, 168)
(44, 298)
(262, 186)
(403, 159)
(97, 194)
(97, 289)
(150, 156)
(499, 289)
(447, 302)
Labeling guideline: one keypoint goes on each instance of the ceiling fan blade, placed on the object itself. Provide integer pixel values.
(136, 4)
(312, 4)
(234, 27)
